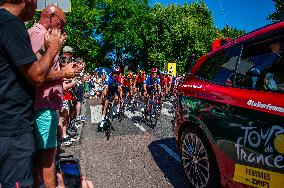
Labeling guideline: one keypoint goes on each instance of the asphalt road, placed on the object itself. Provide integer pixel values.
(136, 155)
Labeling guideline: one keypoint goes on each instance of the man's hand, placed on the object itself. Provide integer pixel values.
(69, 71)
(54, 40)
(84, 182)
(78, 66)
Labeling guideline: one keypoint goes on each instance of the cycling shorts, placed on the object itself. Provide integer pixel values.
(126, 89)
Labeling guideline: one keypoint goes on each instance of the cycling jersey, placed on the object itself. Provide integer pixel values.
(150, 82)
(139, 78)
(112, 84)
(126, 82)
(163, 80)
(168, 80)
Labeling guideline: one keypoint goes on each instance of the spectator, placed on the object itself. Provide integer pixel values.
(68, 52)
(48, 98)
(68, 96)
(20, 69)
(79, 91)
(263, 62)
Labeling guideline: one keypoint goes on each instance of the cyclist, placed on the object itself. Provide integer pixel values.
(127, 85)
(151, 86)
(112, 90)
(163, 81)
(139, 82)
(168, 83)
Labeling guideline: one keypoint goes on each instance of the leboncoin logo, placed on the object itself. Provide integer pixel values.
(279, 143)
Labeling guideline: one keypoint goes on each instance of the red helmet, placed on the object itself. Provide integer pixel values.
(154, 70)
(116, 69)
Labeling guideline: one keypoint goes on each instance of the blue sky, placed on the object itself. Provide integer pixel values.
(247, 15)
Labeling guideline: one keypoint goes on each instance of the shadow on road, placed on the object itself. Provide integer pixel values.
(167, 159)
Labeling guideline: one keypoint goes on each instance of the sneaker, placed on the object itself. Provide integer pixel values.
(102, 123)
(83, 118)
(74, 139)
(66, 141)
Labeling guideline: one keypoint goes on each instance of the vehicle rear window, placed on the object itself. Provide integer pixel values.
(261, 66)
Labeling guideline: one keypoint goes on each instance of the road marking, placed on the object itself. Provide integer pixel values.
(171, 152)
(168, 103)
(96, 112)
(140, 127)
(130, 115)
(165, 111)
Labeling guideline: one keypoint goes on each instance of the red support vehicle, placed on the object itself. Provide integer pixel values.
(229, 121)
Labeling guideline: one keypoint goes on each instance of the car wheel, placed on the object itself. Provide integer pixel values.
(198, 160)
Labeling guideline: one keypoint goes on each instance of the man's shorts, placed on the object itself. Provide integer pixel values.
(16, 160)
(79, 93)
(111, 95)
(45, 132)
(139, 85)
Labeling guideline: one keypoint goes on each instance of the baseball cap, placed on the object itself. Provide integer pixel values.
(67, 49)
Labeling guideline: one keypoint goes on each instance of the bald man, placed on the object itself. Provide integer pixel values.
(20, 72)
(48, 98)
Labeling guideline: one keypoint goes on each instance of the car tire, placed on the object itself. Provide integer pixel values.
(198, 159)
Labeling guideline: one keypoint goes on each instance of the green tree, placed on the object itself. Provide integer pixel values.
(279, 13)
(81, 22)
(121, 24)
(179, 32)
(229, 32)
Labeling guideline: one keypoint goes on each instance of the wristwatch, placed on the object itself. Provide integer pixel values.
(41, 51)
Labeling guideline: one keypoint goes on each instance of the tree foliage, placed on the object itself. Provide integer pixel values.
(179, 32)
(80, 31)
(279, 13)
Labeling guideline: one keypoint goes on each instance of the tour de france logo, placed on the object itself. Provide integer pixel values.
(268, 144)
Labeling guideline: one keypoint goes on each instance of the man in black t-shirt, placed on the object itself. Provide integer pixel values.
(19, 72)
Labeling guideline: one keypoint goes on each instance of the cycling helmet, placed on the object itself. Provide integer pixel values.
(116, 69)
(129, 75)
(154, 70)
(141, 71)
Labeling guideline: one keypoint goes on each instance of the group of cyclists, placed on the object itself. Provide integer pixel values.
(116, 89)
(158, 85)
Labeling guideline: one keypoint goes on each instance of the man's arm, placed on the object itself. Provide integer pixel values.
(69, 85)
(69, 71)
(37, 71)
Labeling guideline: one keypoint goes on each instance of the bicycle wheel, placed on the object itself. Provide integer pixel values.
(145, 113)
(153, 115)
(133, 105)
(107, 129)
(121, 113)
(111, 112)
